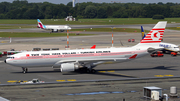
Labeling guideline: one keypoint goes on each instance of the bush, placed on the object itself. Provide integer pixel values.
(158, 17)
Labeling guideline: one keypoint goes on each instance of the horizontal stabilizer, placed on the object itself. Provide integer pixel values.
(133, 57)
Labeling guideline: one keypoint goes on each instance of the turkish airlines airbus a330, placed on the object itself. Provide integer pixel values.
(87, 59)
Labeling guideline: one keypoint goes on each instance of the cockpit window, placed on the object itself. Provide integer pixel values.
(176, 47)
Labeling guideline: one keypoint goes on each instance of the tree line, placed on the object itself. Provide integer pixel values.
(21, 9)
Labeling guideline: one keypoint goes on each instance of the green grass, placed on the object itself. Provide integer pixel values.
(173, 28)
(25, 34)
(16, 27)
(107, 21)
(18, 21)
(109, 30)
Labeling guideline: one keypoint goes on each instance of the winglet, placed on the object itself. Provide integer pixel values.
(133, 57)
(93, 47)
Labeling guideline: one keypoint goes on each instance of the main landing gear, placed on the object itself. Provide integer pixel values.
(91, 70)
(24, 70)
(87, 70)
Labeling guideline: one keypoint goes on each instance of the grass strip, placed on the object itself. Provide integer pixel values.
(28, 34)
(173, 28)
(107, 21)
(130, 30)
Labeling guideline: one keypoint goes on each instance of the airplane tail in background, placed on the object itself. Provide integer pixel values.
(154, 37)
(40, 24)
(93, 47)
(156, 34)
(142, 32)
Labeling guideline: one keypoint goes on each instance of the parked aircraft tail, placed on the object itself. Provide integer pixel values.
(156, 34)
(143, 33)
(154, 37)
(40, 24)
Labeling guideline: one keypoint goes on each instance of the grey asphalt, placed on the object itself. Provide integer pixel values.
(142, 68)
(137, 26)
(146, 67)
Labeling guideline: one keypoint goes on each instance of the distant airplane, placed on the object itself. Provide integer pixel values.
(168, 47)
(87, 59)
(53, 28)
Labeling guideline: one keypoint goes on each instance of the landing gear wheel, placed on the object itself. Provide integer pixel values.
(93, 71)
(88, 71)
(83, 70)
(24, 70)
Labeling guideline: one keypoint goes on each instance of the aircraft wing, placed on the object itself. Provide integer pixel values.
(95, 60)
(90, 60)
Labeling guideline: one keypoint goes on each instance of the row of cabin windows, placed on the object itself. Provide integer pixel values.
(70, 53)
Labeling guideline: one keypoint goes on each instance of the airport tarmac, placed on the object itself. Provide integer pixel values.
(146, 67)
(142, 68)
(127, 90)
(34, 29)
(169, 65)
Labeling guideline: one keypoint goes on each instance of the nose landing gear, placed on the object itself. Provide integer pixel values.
(24, 70)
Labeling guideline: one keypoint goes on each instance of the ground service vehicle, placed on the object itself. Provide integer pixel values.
(157, 54)
(173, 53)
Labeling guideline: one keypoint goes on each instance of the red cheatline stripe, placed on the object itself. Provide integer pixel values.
(146, 39)
(159, 29)
(149, 34)
(79, 55)
(150, 41)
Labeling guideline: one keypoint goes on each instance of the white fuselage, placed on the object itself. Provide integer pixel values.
(53, 58)
(57, 27)
(169, 47)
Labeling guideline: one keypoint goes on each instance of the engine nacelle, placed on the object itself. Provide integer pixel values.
(54, 30)
(67, 67)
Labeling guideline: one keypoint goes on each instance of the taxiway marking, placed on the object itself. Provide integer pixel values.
(113, 72)
(66, 80)
(163, 75)
(106, 71)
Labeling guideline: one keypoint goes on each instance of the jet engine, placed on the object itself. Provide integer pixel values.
(54, 30)
(67, 67)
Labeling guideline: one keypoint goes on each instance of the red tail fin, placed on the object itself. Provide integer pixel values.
(156, 34)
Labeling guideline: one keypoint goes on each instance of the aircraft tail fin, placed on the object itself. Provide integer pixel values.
(143, 33)
(156, 34)
(40, 24)
(93, 47)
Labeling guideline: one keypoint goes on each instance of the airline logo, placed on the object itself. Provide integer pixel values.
(164, 45)
(142, 31)
(40, 24)
(154, 36)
